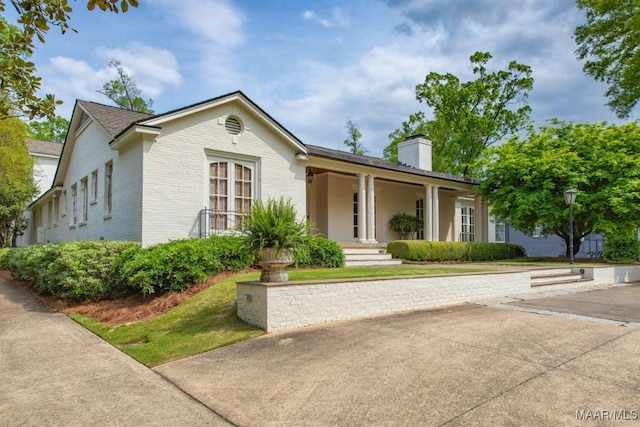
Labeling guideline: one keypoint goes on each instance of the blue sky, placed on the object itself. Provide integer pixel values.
(313, 65)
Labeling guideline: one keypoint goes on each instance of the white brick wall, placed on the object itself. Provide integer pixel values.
(288, 305)
(176, 173)
(277, 306)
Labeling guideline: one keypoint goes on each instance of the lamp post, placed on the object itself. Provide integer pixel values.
(570, 198)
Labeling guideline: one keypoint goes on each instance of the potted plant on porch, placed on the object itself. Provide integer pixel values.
(273, 230)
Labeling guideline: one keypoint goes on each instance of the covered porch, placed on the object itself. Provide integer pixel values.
(351, 199)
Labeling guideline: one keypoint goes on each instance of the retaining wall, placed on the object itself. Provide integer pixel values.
(278, 306)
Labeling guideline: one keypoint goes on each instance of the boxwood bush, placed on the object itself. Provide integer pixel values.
(422, 250)
(319, 252)
(75, 271)
(621, 249)
(175, 265)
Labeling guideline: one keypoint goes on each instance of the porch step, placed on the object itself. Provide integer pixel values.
(556, 276)
(367, 256)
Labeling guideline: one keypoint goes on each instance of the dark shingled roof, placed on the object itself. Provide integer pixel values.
(37, 146)
(113, 119)
(329, 153)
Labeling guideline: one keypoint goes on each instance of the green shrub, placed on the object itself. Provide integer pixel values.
(319, 252)
(175, 265)
(274, 224)
(405, 225)
(4, 257)
(422, 250)
(76, 271)
(619, 248)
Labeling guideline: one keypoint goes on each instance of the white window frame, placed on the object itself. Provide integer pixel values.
(226, 219)
(94, 187)
(467, 224)
(84, 194)
(73, 219)
(500, 226)
(108, 189)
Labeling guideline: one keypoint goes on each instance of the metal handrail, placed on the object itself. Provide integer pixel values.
(216, 222)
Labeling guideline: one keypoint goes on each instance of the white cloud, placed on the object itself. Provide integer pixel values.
(218, 21)
(337, 18)
(153, 70)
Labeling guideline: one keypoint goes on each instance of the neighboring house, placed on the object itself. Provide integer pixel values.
(196, 171)
(46, 156)
(538, 244)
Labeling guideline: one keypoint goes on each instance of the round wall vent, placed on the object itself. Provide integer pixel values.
(233, 126)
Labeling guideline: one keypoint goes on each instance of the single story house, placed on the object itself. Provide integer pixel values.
(195, 171)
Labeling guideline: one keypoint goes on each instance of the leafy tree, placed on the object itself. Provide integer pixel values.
(50, 130)
(124, 92)
(18, 83)
(16, 179)
(468, 117)
(609, 42)
(524, 180)
(353, 139)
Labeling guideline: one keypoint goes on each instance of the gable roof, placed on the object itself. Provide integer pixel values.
(113, 119)
(376, 162)
(37, 146)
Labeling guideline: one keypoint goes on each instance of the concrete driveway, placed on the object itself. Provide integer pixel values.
(461, 365)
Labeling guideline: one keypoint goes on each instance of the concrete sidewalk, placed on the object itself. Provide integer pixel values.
(56, 373)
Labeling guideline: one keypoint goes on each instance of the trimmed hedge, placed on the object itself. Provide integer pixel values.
(175, 265)
(422, 250)
(76, 271)
(621, 249)
(319, 252)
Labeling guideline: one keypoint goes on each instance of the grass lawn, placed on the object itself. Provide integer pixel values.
(208, 320)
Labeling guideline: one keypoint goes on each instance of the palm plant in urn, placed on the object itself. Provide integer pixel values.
(273, 230)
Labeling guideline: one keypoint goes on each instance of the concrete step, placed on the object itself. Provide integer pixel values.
(373, 263)
(368, 257)
(363, 251)
(556, 276)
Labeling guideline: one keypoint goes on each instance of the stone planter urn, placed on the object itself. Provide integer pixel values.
(274, 264)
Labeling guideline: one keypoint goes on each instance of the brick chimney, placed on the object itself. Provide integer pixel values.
(415, 152)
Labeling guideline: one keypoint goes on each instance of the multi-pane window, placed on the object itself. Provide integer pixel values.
(468, 224)
(108, 188)
(74, 204)
(355, 215)
(231, 192)
(420, 215)
(537, 232)
(500, 232)
(94, 186)
(84, 193)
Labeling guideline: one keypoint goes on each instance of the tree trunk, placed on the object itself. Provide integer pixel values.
(577, 241)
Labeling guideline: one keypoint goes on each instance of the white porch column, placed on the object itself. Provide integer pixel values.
(428, 213)
(371, 233)
(436, 213)
(362, 209)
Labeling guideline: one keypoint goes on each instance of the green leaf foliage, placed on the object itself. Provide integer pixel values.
(49, 130)
(405, 225)
(176, 265)
(609, 43)
(16, 178)
(621, 248)
(19, 85)
(319, 252)
(423, 250)
(524, 180)
(274, 224)
(468, 117)
(75, 271)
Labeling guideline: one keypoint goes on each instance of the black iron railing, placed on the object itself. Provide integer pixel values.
(212, 222)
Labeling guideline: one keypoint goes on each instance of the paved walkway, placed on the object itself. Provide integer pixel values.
(456, 366)
(53, 372)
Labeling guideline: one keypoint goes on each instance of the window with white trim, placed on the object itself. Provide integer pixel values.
(108, 188)
(74, 204)
(231, 192)
(420, 215)
(94, 186)
(500, 234)
(468, 232)
(84, 193)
